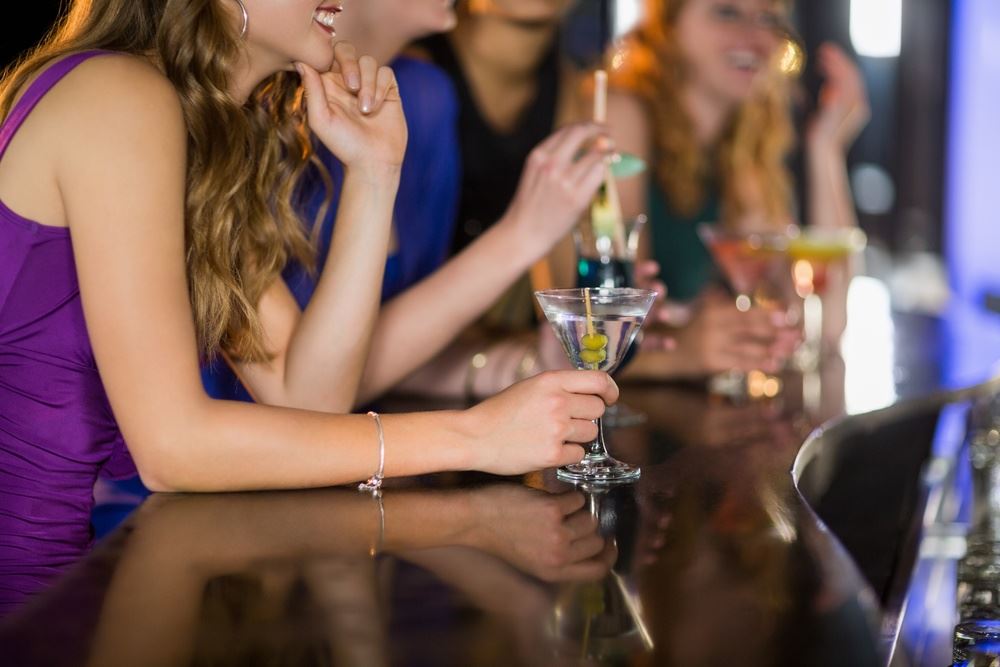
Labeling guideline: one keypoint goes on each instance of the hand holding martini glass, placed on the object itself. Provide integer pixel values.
(596, 328)
(756, 267)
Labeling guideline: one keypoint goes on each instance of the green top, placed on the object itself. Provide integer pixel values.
(685, 263)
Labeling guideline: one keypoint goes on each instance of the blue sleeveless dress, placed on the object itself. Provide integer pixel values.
(425, 209)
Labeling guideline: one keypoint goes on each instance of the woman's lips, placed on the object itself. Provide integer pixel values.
(326, 17)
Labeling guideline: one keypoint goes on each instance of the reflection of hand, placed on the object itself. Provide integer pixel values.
(356, 111)
(552, 537)
(843, 101)
(538, 423)
(719, 338)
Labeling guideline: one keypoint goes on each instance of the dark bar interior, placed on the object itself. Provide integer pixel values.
(244, 269)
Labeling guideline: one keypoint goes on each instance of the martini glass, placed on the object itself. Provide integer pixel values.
(813, 252)
(755, 265)
(596, 328)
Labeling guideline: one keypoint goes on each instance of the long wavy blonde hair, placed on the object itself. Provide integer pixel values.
(244, 161)
(748, 163)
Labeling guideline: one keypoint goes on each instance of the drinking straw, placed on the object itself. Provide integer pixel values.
(600, 96)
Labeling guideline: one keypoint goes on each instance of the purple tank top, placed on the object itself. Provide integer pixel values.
(57, 432)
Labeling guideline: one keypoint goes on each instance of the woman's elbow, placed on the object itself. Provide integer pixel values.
(162, 464)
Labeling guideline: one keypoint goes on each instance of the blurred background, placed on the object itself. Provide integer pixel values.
(921, 173)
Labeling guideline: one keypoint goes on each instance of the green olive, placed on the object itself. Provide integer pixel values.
(593, 356)
(594, 341)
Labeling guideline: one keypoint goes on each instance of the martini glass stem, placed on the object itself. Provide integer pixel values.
(812, 325)
(597, 451)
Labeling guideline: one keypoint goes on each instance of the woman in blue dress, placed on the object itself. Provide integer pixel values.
(428, 303)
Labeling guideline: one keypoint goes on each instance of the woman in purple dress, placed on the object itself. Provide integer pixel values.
(148, 155)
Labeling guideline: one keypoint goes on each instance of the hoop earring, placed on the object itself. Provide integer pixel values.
(246, 18)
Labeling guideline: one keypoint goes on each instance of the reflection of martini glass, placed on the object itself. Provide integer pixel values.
(755, 265)
(596, 328)
(812, 252)
(604, 618)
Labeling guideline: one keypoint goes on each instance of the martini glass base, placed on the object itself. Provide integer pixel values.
(598, 473)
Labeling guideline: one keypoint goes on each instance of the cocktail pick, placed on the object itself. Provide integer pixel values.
(594, 350)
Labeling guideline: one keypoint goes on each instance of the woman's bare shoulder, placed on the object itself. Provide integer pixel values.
(115, 109)
(114, 106)
(117, 82)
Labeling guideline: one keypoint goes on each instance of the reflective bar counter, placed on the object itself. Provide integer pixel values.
(773, 532)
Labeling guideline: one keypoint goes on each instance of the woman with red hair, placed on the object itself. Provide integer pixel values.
(702, 92)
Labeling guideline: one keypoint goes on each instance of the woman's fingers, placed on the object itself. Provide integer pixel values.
(656, 341)
(580, 524)
(581, 431)
(591, 178)
(345, 61)
(585, 548)
(646, 271)
(758, 324)
(594, 567)
(362, 76)
(747, 355)
(570, 454)
(573, 140)
(385, 87)
(368, 67)
(317, 107)
(584, 406)
(589, 382)
(588, 169)
(550, 145)
(569, 503)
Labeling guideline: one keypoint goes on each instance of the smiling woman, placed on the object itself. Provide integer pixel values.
(702, 92)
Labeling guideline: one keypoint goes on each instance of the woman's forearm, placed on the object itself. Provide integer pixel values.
(419, 324)
(830, 202)
(232, 446)
(475, 366)
(327, 351)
